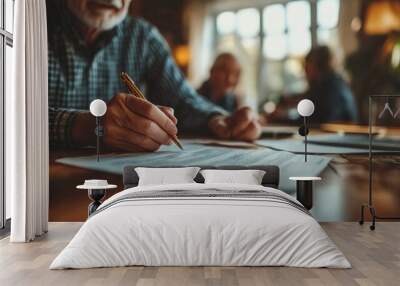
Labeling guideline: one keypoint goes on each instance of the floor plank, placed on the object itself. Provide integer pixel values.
(375, 257)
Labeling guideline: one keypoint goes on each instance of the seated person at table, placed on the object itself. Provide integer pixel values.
(224, 78)
(90, 43)
(330, 93)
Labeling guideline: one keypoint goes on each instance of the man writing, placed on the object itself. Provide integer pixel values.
(90, 43)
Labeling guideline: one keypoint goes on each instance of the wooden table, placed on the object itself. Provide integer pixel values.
(66, 203)
(340, 194)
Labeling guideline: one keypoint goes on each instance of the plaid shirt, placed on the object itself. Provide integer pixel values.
(79, 74)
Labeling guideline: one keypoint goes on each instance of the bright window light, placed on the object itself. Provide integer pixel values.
(275, 47)
(9, 68)
(328, 13)
(298, 15)
(226, 43)
(226, 23)
(324, 36)
(248, 21)
(274, 19)
(329, 38)
(294, 66)
(9, 13)
(299, 43)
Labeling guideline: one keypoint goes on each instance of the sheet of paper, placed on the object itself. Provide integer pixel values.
(197, 154)
(223, 143)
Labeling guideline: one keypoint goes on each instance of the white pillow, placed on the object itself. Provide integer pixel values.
(246, 177)
(165, 176)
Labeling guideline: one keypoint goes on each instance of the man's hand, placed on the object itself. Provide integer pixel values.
(130, 124)
(134, 124)
(241, 125)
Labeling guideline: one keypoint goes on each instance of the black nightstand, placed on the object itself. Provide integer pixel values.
(304, 192)
(96, 191)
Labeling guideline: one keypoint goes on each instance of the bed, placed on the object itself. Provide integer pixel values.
(201, 224)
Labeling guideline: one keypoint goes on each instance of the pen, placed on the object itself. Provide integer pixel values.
(136, 92)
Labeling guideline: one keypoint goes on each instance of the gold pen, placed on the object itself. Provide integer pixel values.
(136, 92)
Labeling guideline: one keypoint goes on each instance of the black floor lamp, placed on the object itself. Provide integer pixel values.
(305, 108)
(304, 189)
(98, 108)
(370, 205)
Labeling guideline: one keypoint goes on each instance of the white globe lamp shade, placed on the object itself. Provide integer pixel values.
(98, 107)
(305, 108)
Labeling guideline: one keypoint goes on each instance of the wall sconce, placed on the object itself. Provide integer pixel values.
(182, 55)
(305, 108)
(382, 18)
(98, 108)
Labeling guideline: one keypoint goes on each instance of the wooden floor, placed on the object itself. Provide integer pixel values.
(375, 257)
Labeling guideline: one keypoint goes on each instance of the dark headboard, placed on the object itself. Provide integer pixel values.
(271, 177)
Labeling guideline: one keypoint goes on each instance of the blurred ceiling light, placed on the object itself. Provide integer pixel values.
(269, 107)
(182, 55)
(226, 23)
(356, 24)
(382, 17)
(396, 56)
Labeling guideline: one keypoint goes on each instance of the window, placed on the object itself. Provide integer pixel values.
(248, 21)
(285, 47)
(6, 66)
(226, 23)
(238, 32)
(327, 21)
(272, 40)
(9, 15)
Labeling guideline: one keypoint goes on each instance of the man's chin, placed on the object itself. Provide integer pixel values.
(103, 22)
(228, 90)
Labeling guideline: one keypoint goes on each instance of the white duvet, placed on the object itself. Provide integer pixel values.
(200, 231)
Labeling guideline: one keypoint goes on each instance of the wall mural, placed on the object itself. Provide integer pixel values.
(91, 44)
(119, 96)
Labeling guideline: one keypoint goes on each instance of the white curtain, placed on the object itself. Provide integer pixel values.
(27, 124)
(200, 40)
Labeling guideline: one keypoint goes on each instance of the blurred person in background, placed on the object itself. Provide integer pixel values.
(221, 85)
(90, 43)
(332, 97)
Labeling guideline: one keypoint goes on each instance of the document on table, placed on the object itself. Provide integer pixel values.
(223, 143)
(198, 154)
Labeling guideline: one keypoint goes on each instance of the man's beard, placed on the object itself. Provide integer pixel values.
(102, 23)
